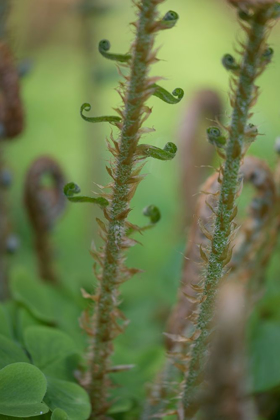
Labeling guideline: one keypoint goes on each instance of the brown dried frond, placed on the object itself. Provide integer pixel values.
(253, 231)
(224, 395)
(44, 204)
(192, 269)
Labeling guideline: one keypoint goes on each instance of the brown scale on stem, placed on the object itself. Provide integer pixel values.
(44, 204)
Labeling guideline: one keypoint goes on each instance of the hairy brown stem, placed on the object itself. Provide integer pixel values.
(106, 326)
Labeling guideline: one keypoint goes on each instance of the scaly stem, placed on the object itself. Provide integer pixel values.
(219, 253)
(135, 98)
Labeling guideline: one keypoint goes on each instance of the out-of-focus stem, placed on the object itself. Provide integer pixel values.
(195, 153)
(135, 98)
(219, 255)
(225, 395)
(44, 204)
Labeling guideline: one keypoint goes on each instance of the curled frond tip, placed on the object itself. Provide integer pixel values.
(71, 190)
(229, 62)
(167, 153)
(106, 118)
(170, 98)
(169, 20)
(215, 137)
(104, 47)
(153, 213)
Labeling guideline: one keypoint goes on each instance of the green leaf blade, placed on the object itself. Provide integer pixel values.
(59, 414)
(22, 389)
(69, 397)
(10, 352)
(48, 345)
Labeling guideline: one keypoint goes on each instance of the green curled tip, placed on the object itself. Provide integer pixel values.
(71, 189)
(153, 213)
(251, 130)
(215, 137)
(167, 153)
(229, 62)
(268, 54)
(170, 98)
(104, 47)
(106, 118)
(169, 20)
(244, 15)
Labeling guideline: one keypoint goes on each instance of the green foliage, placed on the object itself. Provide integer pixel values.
(33, 295)
(48, 346)
(5, 327)
(53, 357)
(264, 356)
(69, 397)
(264, 344)
(37, 306)
(10, 352)
(38, 303)
(59, 414)
(22, 389)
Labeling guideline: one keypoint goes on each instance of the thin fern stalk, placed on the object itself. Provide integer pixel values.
(243, 99)
(108, 321)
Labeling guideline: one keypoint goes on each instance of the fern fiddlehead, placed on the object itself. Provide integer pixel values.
(44, 204)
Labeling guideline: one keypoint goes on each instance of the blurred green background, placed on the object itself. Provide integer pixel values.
(61, 42)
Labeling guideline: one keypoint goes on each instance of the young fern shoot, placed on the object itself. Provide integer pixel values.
(256, 19)
(44, 205)
(108, 321)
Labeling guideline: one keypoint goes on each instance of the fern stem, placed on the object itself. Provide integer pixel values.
(136, 95)
(219, 253)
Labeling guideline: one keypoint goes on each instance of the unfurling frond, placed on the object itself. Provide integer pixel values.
(71, 190)
(106, 118)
